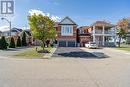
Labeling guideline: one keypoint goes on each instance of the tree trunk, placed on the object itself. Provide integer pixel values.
(43, 44)
(119, 44)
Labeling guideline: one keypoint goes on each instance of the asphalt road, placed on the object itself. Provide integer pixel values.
(113, 71)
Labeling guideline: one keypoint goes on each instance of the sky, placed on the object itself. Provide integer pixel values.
(83, 12)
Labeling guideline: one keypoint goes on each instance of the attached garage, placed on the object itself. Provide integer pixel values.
(71, 43)
(62, 43)
(67, 44)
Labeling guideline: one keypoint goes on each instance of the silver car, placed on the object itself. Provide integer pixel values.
(92, 45)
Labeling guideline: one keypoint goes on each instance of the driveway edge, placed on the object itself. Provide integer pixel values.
(49, 55)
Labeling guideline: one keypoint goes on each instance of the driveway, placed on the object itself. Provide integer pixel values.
(74, 52)
(68, 72)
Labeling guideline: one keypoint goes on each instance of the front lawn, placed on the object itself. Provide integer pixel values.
(124, 47)
(32, 52)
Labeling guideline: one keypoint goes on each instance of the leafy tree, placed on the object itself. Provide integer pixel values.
(123, 26)
(3, 43)
(12, 43)
(121, 35)
(123, 23)
(24, 42)
(19, 42)
(42, 28)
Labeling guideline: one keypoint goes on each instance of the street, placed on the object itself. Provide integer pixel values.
(113, 71)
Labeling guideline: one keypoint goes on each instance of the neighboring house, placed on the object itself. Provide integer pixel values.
(128, 34)
(14, 32)
(66, 33)
(84, 35)
(103, 33)
(29, 37)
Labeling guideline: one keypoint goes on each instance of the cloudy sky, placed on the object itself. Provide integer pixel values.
(83, 12)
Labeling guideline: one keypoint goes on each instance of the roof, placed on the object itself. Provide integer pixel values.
(102, 23)
(73, 23)
(84, 27)
(28, 32)
(56, 24)
(18, 29)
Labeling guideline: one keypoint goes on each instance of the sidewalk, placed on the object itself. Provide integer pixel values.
(49, 55)
(13, 51)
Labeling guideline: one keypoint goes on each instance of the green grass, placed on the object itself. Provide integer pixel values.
(31, 53)
(124, 47)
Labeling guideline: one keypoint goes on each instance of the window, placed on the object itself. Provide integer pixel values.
(67, 30)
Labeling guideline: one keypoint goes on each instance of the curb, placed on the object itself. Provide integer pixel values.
(49, 55)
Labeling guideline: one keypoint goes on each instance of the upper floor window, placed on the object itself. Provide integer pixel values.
(67, 30)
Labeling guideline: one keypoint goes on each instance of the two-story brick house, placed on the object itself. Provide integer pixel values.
(66, 33)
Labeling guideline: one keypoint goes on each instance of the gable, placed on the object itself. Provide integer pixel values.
(67, 20)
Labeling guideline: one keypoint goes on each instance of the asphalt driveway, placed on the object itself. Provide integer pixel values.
(72, 52)
(75, 52)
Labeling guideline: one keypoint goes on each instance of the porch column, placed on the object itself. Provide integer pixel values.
(115, 37)
(94, 38)
(103, 43)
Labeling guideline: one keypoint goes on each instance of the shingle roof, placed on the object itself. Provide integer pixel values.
(102, 23)
(84, 27)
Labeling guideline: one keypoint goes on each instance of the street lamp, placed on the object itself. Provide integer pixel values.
(9, 24)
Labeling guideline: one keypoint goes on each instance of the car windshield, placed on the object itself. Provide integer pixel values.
(92, 43)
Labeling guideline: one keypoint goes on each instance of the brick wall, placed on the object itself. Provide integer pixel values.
(59, 37)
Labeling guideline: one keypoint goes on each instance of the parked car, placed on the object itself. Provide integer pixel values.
(92, 45)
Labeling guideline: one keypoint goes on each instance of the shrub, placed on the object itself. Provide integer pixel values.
(19, 42)
(3, 43)
(12, 43)
(24, 43)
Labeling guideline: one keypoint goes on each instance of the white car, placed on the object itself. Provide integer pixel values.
(91, 45)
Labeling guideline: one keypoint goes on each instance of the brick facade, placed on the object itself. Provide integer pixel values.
(66, 40)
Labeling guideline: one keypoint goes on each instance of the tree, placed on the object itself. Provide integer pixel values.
(3, 43)
(121, 35)
(12, 43)
(19, 42)
(123, 25)
(24, 42)
(42, 28)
